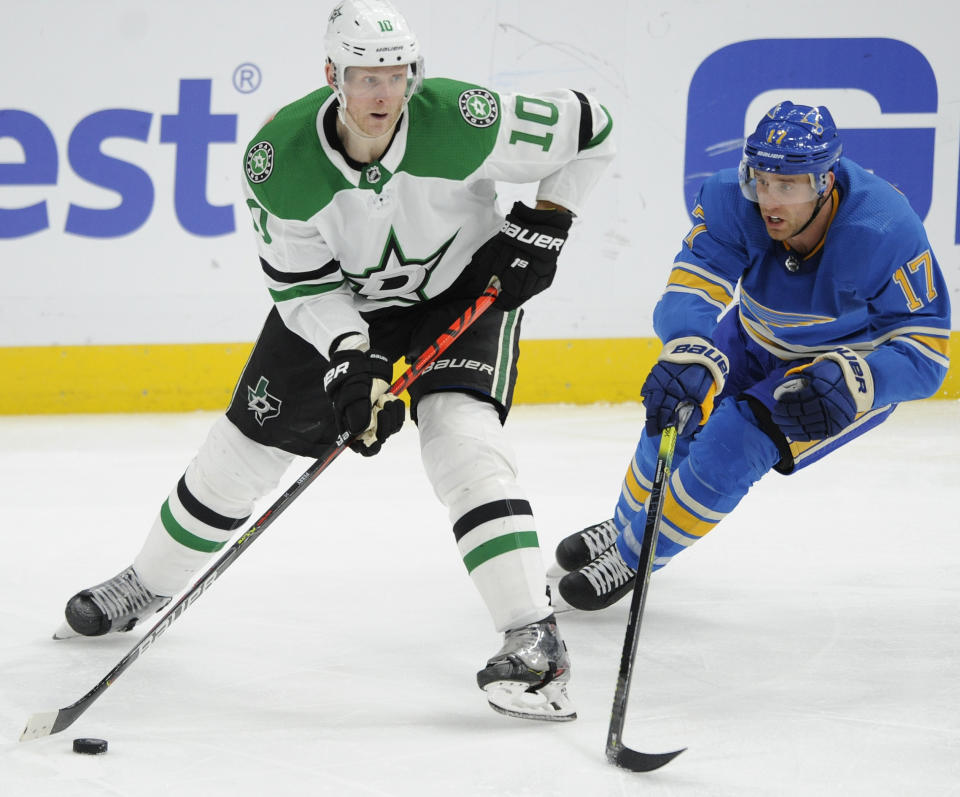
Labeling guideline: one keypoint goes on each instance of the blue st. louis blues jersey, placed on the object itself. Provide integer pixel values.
(872, 284)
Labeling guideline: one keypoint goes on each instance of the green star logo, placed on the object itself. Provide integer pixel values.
(479, 107)
(397, 276)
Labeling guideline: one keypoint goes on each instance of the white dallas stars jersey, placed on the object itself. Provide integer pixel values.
(336, 240)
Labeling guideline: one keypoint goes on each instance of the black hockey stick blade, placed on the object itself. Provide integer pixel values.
(640, 762)
(45, 723)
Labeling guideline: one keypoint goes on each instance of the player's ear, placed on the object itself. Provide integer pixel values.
(330, 72)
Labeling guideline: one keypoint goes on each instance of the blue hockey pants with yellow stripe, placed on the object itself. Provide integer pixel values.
(711, 472)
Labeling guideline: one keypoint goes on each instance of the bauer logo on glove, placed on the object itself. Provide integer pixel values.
(821, 398)
(696, 351)
(335, 373)
(532, 237)
(690, 371)
(524, 252)
(357, 384)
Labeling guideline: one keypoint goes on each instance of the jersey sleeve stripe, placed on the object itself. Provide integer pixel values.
(600, 137)
(586, 122)
(690, 273)
(292, 277)
(934, 348)
(299, 291)
(699, 294)
(684, 281)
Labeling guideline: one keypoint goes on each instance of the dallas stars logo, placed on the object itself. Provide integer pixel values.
(259, 162)
(479, 107)
(397, 276)
(263, 405)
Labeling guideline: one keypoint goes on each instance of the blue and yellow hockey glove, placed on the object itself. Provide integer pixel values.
(690, 370)
(822, 398)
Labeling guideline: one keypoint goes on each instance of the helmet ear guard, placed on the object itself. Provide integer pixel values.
(791, 139)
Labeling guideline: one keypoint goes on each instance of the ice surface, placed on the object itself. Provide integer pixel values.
(808, 646)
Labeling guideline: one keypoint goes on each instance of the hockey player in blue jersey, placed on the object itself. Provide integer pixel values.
(842, 314)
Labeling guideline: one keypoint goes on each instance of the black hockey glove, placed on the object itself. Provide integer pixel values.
(357, 383)
(523, 254)
(822, 398)
(689, 370)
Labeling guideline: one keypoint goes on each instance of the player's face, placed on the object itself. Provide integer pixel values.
(786, 202)
(375, 96)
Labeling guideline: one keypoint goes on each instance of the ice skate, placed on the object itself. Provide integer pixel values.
(582, 547)
(527, 678)
(113, 606)
(573, 552)
(599, 584)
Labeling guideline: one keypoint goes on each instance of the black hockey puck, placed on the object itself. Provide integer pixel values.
(90, 746)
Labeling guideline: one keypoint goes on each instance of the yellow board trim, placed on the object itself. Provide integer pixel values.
(41, 380)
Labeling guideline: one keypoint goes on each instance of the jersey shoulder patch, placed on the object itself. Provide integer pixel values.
(453, 129)
(285, 165)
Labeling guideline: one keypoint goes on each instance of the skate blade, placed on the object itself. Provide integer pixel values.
(65, 632)
(557, 603)
(555, 572)
(550, 703)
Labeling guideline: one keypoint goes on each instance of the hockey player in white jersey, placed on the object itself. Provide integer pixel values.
(374, 205)
(842, 312)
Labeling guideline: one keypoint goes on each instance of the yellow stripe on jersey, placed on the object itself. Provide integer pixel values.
(699, 228)
(682, 278)
(941, 345)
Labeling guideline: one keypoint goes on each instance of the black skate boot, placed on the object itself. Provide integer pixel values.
(575, 551)
(599, 584)
(582, 547)
(115, 605)
(528, 676)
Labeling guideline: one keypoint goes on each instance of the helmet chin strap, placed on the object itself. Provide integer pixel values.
(821, 201)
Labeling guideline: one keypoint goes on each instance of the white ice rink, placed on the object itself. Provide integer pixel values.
(809, 646)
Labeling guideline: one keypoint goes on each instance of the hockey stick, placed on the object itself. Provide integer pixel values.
(616, 752)
(50, 722)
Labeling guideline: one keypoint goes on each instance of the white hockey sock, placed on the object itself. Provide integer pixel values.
(471, 468)
(213, 498)
(499, 545)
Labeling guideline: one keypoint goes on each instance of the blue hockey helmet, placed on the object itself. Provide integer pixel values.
(791, 139)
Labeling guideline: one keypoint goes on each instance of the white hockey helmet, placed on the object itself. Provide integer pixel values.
(371, 33)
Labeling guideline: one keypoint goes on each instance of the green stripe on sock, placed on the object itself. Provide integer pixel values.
(500, 545)
(184, 537)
